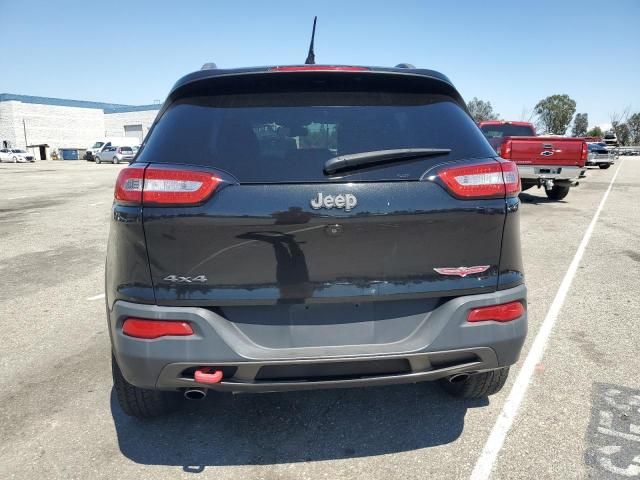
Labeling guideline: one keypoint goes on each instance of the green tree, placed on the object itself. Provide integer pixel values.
(580, 125)
(618, 119)
(481, 110)
(634, 128)
(623, 133)
(555, 113)
(595, 132)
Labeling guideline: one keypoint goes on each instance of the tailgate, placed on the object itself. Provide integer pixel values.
(266, 244)
(558, 151)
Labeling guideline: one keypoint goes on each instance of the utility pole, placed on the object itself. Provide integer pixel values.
(24, 127)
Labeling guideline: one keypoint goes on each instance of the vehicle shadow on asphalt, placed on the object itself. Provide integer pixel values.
(537, 200)
(274, 428)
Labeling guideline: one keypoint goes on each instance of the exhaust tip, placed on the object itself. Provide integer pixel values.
(195, 393)
(459, 377)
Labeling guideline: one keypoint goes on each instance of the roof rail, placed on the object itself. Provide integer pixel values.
(209, 66)
(405, 65)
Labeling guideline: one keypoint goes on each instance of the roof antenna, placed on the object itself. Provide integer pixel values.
(311, 56)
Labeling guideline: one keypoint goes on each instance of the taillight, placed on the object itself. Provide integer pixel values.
(505, 149)
(482, 180)
(145, 328)
(129, 185)
(511, 178)
(318, 68)
(497, 313)
(180, 187)
(585, 151)
(164, 186)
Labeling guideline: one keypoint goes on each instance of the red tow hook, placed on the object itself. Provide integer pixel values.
(208, 375)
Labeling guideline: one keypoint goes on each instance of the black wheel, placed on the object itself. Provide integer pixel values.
(140, 402)
(97, 160)
(604, 166)
(558, 192)
(478, 385)
(115, 160)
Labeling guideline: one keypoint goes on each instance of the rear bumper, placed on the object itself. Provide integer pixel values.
(600, 160)
(442, 343)
(535, 172)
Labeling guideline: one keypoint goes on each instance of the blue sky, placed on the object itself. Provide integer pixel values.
(511, 53)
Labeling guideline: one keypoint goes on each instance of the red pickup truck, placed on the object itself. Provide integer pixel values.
(554, 163)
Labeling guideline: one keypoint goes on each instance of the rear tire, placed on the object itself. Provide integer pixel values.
(604, 166)
(140, 402)
(478, 385)
(115, 160)
(558, 192)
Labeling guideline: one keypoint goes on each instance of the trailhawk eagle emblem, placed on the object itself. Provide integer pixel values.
(346, 201)
(462, 271)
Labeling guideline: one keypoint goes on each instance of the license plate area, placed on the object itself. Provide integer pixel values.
(326, 325)
(549, 171)
(330, 325)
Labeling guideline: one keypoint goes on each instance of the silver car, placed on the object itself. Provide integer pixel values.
(115, 155)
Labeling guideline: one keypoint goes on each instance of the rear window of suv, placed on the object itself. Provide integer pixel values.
(506, 130)
(287, 137)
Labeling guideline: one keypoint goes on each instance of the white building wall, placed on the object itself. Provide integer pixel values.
(8, 126)
(63, 126)
(115, 122)
(59, 127)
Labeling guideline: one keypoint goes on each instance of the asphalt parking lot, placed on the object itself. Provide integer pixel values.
(580, 417)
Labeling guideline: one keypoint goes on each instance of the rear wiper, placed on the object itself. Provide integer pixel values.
(379, 156)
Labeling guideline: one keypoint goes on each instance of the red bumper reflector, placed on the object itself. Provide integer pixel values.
(208, 375)
(144, 328)
(498, 313)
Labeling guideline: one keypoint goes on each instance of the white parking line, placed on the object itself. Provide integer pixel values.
(96, 297)
(492, 447)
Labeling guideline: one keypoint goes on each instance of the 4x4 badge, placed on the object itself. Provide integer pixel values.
(346, 201)
(179, 279)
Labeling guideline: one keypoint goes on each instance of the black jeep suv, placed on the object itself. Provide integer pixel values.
(302, 227)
